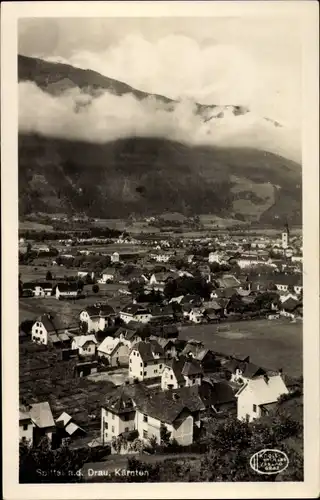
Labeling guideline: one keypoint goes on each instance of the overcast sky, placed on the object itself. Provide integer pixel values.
(253, 62)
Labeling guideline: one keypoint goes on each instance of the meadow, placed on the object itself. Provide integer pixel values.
(273, 344)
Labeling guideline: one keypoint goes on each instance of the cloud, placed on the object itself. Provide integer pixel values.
(75, 115)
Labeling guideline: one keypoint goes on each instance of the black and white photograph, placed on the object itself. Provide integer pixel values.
(161, 251)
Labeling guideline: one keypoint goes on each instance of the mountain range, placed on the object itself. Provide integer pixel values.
(147, 175)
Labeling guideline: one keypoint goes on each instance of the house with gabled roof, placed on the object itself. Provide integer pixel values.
(135, 312)
(135, 407)
(84, 344)
(66, 429)
(35, 422)
(48, 329)
(67, 290)
(146, 360)
(37, 289)
(97, 317)
(242, 370)
(180, 372)
(205, 356)
(108, 275)
(131, 333)
(114, 352)
(256, 395)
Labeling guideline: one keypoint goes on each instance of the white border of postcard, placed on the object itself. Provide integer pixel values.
(307, 12)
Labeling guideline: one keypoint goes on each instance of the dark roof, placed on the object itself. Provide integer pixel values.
(51, 323)
(191, 299)
(184, 366)
(134, 309)
(125, 397)
(215, 393)
(249, 370)
(288, 279)
(130, 330)
(33, 284)
(68, 287)
(291, 304)
(166, 406)
(102, 310)
(147, 350)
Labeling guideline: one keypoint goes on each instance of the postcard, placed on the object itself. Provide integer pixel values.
(160, 223)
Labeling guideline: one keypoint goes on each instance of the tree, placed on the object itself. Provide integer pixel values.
(41, 464)
(48, 276)
(95, 288)
(164, 435)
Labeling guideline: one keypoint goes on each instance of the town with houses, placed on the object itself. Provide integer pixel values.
(130, 344)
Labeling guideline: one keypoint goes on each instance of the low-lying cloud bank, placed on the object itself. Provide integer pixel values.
(76, 115)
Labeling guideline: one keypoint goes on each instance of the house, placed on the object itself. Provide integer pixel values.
(170, 331)
(162, 278)
(134, 407)
(168, 345)
(254, 397)
(291, 307)
(38, 289)
(194, 300)
(215, 257)
(97, 317)
(287, 282)
(115, 257)
(228, 281)
(250, 261)
(114, 352)
(26, 426)
(241, 371)
(84, 274)
(219, 397)
(134, 312)
(205, 356)
(180, 372)
(162, 313)
(131, 333)
(108, 275)
(67, 429)
(146, 360)
(85, 345)
(42, 418)
(48, 329)
(67, 291)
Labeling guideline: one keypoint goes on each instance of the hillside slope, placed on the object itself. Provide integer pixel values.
(149, 176)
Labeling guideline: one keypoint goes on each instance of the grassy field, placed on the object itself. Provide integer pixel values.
(69, 310)
(29, 225)
(273, 344)
(38, 272)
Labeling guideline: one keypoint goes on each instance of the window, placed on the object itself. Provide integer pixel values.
(140, 374)
(130, 362)
(112, 429)
(25, 427)
(155, 371)
(130, 369)
(112, 416)
(171, 376)
(106, 425)
(126, 429)
(106, 434)
(145, 434)
(145, 374)
(160, 366)
(254, 408)
(145, 418)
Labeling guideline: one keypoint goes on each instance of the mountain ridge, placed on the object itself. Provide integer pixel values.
(146, 175)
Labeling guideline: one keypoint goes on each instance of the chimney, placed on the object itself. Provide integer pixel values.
(266, 378)
(280, 371)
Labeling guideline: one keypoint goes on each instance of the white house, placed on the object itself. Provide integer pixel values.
(181, 372)
(38, 289)
(108, 275)
(97, 317)
(85, 345)
(196, 315)
(48, 329)
(67, 290)
(113, 350)
(255, 395)
(134, 407)
(115, 257)
(215, 257)
(25, 426)
(146, 360)
(35, 422)
(84, 274)
(134, 312)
